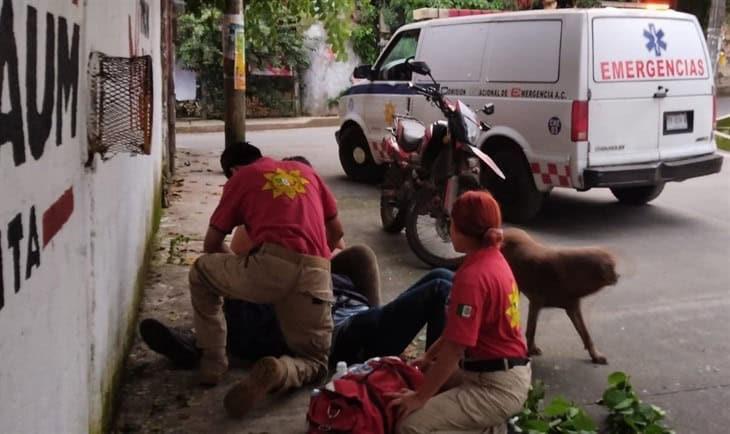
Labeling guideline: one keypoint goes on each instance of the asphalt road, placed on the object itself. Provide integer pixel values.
(666, 322)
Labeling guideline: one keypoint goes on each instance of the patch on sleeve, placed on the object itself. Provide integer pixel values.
(464, 310)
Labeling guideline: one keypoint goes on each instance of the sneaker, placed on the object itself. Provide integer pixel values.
(267, 375)
(176, 345)
(213, 365)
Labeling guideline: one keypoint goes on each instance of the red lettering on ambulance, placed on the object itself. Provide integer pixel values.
(630, 69)
(692, 68)
(618, 70)
(605, 71)
(680, 68)
(650, 68)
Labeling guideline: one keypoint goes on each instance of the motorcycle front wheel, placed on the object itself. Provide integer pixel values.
(428, 232)
(393, 201)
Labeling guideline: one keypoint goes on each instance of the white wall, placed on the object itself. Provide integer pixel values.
(326, 77)
(62, 334)
(186, 83)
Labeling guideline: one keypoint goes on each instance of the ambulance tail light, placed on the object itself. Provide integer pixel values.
(579, 121)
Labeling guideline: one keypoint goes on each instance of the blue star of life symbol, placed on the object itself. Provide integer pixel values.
(656, 40)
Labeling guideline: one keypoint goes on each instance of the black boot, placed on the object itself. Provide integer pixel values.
(176, 345)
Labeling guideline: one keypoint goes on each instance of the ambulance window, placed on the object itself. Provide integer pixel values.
(524, 51)
(449, 63)
(392, 63)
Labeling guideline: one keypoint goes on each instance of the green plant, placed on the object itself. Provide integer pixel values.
(178, 245)
(627, 414)
(365, 34)
(199, 49)
(588, 3)
(559, 416)
(274, 37)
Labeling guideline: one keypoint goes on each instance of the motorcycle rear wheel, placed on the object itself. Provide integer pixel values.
(428, 234)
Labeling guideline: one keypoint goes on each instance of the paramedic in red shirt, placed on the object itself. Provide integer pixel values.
(482, 349)
(291, 217)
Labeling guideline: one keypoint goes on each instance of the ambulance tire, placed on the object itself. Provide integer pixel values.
(637, 195)
(518, 197)
(356, 159)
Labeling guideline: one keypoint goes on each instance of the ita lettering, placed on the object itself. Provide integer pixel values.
(12, 247)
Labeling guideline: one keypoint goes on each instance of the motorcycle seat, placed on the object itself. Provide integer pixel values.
(411, 136)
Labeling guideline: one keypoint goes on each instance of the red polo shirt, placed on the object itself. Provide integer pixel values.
(483, 312)
(279, 202)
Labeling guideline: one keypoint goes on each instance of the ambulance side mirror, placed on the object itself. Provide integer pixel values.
(419, 67)
(363, 71)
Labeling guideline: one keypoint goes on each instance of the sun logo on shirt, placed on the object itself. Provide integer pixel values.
(513, 311)
(287, 183)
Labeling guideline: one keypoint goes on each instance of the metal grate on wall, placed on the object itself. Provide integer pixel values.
(120, 110)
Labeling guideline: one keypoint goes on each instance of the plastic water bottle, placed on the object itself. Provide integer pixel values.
(340, 370)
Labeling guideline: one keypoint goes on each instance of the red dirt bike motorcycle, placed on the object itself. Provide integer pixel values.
(430, 167)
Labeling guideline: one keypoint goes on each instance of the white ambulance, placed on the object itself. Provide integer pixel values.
(583, 98)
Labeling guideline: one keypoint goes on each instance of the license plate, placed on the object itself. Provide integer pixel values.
(676, 122)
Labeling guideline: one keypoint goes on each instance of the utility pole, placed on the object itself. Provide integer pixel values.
(234, 72)
(714, 30)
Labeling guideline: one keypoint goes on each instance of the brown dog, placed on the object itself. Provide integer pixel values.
(557, 277)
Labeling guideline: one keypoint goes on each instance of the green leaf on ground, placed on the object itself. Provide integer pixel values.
(617, 378)
(557, 407)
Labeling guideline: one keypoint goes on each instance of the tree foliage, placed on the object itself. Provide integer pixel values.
(199, 49)
(274, 37)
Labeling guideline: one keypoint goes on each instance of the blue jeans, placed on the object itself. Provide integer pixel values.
(389, 329)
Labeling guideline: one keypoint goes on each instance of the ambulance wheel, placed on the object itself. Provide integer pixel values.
(356, 159)
(637, 195)
(517, 195)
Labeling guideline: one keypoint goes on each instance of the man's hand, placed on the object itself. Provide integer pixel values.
(333, 228)
(404, 402)
(423, 363)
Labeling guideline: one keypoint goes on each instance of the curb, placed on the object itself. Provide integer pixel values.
(219, 127)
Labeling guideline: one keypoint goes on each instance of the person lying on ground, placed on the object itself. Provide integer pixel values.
(363, 329)
(291, 217)
(481, 352)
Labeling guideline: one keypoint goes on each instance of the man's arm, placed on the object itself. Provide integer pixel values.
(241, 244)
(334, 231)
(214, 241)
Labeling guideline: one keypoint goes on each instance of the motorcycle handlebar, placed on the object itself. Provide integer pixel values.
(432, 93)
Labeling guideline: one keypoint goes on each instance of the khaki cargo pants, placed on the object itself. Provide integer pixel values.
(481, 403)
(300, 288)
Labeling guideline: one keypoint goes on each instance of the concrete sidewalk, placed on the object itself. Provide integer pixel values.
(193, 126)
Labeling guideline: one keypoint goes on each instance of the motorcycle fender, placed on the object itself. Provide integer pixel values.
(487, 160)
